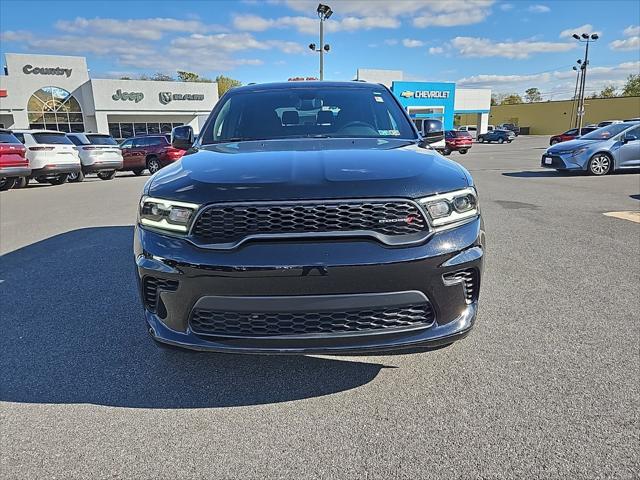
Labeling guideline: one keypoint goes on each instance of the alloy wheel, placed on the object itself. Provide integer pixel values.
(600, 165)
(154, 166)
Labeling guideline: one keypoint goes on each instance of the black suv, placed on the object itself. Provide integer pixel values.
(309, 218)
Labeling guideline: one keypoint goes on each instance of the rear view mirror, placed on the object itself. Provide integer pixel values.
(182, 137)
(629, 137)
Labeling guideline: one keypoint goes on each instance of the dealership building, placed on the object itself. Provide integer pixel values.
(57, 93)
(440, 100)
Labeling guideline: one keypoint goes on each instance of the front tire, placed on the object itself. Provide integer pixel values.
(463, 151)
(501, 140)
(7, 183)
(138, 171)
(75, 177)
(153, 165)
(21, 182)
(58, 179)
(480, 139)
(107, 175)
(554, 142)
(600, 164)
(446, 151)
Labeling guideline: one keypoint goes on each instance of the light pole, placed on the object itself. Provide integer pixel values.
(574, 118)
(324, 13)
(584, 38)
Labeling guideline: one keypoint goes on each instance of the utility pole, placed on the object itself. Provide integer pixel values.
(324, 12)
(584, 38)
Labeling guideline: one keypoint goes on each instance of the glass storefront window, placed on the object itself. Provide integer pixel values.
(58, 108)
(126, 129)
(140, 128)
(153, 128)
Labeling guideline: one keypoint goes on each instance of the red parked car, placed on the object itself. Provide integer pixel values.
(151, 152)
(13, 161)
(570, 135)
(457, 140)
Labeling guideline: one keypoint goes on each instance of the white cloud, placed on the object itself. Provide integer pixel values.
(147, 28)
(354, 15)
(308, 25)
(15, 36)
(556, 84)
(391, 41)
(483, 47)
(539, 9)
(631, 30)
(435, 50)
(74, 45)
(631, 43)
(452, 19)
(412, 43)
(505, 7)
(586, 28)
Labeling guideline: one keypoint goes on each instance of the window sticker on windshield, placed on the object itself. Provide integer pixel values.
(390, 133)
(379, 99)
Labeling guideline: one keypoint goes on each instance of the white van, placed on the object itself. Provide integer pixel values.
(99, 153)
(472, 129)
(52, 156)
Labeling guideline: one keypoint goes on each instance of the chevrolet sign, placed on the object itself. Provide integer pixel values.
(425, 94)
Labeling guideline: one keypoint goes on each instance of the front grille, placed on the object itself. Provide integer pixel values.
(470, 282)
(150, 288)
(387, 220)
(271, 324)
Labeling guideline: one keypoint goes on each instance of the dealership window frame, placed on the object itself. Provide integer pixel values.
(54, 108)
(124, 130)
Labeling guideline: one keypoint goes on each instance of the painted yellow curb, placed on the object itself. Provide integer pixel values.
(632, 216)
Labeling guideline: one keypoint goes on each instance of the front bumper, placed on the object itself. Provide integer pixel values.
(561, 162)
(9, 172)
(288, 277)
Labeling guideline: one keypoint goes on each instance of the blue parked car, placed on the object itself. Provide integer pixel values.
(614, 147)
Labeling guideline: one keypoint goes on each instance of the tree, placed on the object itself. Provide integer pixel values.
(608, 91)
(161, 77)
(191, 77)
(512, 99)
(125, 78)
(632, 86)
(532, 95)
(226, 83)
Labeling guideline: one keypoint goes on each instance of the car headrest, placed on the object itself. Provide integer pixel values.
(324, 117)
(290, 117)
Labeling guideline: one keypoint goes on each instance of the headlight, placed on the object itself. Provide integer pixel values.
(575, 153)
(166, 214)
(452, 207)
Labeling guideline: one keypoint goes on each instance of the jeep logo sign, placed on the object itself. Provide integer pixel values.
(31, 70)
(166, 97)
(127, 96)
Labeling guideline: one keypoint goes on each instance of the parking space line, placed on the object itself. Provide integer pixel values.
(632, 215)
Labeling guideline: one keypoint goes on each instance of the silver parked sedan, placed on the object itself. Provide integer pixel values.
(614, 147)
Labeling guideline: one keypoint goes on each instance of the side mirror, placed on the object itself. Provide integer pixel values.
(182, 137)
(432, 131)
(629, 138)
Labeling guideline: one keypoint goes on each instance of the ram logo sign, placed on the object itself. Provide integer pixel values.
(166, 97)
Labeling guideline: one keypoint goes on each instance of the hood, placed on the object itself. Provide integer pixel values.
(569, 145)
(307, 169)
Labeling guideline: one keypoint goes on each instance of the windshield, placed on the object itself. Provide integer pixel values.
(101, 140)
(325, 112)
(605, 133)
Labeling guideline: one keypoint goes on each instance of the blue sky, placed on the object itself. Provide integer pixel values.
(505, 45)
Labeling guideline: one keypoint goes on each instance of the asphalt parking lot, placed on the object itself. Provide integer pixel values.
(546, 386)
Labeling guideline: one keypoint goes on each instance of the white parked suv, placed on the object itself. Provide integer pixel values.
(52, 156)
(99, 153)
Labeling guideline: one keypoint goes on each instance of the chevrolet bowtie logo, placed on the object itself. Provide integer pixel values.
(407, 94)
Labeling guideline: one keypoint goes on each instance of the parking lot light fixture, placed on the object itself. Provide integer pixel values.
(324, 13)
